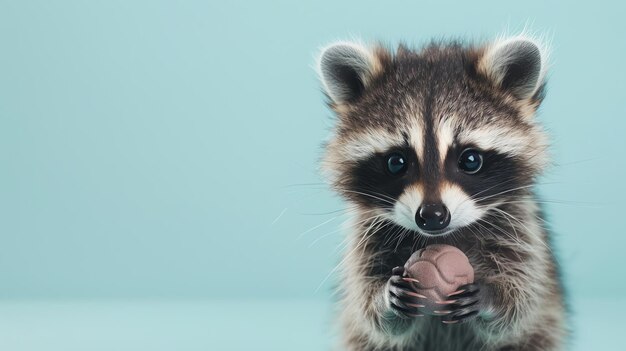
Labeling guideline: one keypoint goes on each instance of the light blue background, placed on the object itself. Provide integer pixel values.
(158, 150)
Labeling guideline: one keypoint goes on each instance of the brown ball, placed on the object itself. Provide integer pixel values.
(440, 270)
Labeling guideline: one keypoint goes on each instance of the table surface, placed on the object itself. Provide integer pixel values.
(225, 325)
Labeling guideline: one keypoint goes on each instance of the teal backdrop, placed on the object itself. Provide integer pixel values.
(168, 149)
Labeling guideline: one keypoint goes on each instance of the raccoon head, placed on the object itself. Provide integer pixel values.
(434, 139)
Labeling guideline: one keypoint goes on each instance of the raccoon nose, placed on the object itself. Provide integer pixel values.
(432, 217)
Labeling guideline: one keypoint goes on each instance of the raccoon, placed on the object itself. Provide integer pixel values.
(441, 146)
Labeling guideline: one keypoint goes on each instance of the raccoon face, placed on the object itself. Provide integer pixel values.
(434, 140)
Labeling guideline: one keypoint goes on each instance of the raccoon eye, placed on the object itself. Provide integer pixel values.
(470, 161)
(396, 163)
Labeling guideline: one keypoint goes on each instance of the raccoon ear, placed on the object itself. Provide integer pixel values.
(345, 70)
(516, 64)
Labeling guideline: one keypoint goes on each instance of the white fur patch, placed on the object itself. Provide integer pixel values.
(416, 137)
(369, 142)
(514, 142)
(445, 138)
(463, 210)
(406, 206)
(502, 140)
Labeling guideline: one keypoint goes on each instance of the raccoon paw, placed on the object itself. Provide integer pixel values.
(403, 300)
(462, 305)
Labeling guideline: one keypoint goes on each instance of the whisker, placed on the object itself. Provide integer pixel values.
(315, 227)
(341, 226)
(279, 216)
(362, 240)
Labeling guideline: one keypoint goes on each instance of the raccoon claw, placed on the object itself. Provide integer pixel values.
(403, 300)
(461, 305)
